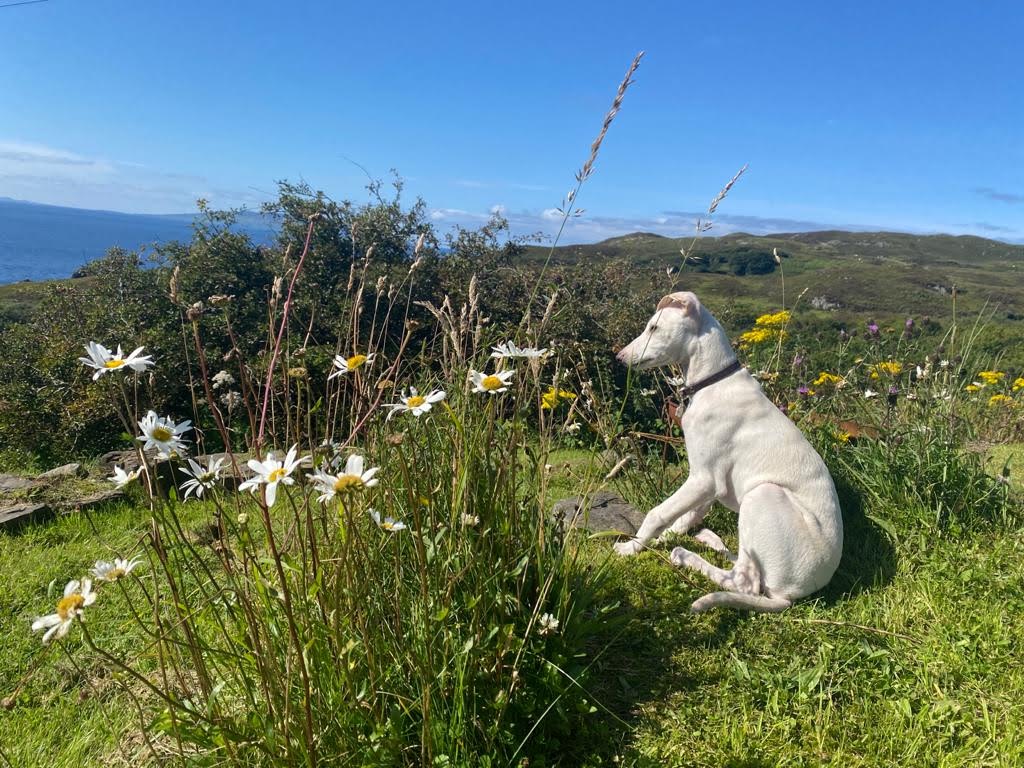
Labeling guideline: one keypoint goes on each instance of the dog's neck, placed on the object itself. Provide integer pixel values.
(710, 353)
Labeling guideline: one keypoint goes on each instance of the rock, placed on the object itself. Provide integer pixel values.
(608, 512)
(90, 501)
(17, 514)
(64, 472)
(12, 483)
(127, 460)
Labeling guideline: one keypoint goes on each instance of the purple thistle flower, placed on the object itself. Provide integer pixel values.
(803, 390)
(798, 360)
(873, 328)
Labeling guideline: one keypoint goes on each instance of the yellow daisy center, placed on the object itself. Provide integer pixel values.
(348, 483)
(491, 383)
(117, 362)
(114, 574)
(276, 475)
(68, 604)
(415, 401)
(355, 361)
(161, 434)
(388, 525)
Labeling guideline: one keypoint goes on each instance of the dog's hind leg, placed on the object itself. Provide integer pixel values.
(738, 600)
(743, 577)
(712, 541)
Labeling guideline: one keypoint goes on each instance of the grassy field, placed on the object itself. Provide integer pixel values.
(909, 657)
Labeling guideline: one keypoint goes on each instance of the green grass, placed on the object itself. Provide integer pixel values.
(65, 712)
(910, 657)
(1010, 455)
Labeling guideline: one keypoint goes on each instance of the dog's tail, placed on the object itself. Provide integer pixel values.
(741, 601)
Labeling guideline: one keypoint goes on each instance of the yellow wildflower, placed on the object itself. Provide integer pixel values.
(997, 400)
(828, 380)
(991, 377)
(972, 387)
(760, 336)
(889, 368)
(774, 320)
(1018, 383)
(553, 396)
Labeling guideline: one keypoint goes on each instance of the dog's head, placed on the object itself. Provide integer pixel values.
(671, 334)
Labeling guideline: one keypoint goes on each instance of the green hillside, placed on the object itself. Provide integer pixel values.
(887, 273)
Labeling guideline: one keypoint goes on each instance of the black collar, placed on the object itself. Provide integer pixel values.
(691, 389)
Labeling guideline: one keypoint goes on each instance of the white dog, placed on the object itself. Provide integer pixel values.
(746, 454)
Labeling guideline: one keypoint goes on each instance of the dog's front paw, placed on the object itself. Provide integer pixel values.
(627, 548)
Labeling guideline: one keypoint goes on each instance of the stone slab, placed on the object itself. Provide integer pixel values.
(17, 514)
(608, 512)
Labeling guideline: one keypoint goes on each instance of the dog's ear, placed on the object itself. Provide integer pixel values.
(682, 300)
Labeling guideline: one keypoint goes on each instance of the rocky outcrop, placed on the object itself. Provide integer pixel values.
(607, 511)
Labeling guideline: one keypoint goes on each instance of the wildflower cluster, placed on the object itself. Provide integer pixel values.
(767, 328)
(78, 595)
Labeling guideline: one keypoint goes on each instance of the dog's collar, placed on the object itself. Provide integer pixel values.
(691, 389)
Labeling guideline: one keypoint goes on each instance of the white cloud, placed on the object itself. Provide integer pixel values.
(498, 210)
(58, 176)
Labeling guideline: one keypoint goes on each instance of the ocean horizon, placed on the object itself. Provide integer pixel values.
(49, 242)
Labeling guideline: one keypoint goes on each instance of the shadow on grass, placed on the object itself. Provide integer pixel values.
(869, 557)
(659, 649)
(638, 657)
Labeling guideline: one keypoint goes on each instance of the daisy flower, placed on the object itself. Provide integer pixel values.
(468, 520)
(121, 478)
(105, 571)
(349, 364)
(77, 595)
(415, 403)
(271, 472)
(202, 479)
(105, 361)
(509, 349)
(388, 523)
(352, 479)
(548, 623)
(163, 434)
(493, 383)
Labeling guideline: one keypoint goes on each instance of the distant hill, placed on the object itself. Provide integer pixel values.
(39, 242)
(890, 273)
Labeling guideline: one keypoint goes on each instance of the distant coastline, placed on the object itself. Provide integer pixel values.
(49, 242)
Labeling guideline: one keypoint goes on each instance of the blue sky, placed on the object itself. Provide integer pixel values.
(896, 115)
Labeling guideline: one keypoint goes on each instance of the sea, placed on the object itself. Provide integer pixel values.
(46, 242)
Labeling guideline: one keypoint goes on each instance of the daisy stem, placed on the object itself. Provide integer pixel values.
(280, 334)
